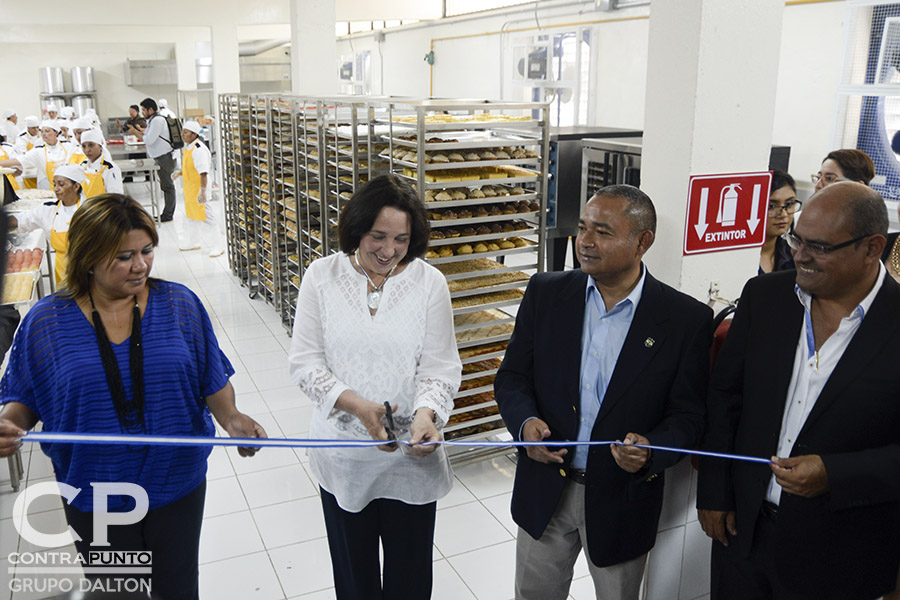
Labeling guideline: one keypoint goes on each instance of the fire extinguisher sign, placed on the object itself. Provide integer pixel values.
(726, 212)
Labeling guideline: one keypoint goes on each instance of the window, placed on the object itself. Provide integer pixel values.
(462, 7)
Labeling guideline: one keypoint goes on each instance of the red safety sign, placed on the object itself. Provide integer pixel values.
(725, 212)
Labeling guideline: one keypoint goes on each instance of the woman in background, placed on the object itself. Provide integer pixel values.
(775, 254)
(845, 165)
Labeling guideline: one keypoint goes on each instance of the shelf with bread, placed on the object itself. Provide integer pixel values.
(473, 177)
(262, 185)
(235, 132)
(522, 146)
(286, 216)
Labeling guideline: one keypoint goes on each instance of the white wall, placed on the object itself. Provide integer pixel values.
(21, 62)
(469, 67)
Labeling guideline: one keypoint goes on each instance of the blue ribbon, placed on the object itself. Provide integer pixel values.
(163, 440)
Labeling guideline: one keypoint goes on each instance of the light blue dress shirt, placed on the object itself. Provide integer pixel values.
(602, 337)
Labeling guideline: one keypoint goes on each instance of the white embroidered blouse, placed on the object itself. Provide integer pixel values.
(405, 354)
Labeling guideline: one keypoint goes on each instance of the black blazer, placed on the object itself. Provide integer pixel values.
(658, 389)
(846, 543)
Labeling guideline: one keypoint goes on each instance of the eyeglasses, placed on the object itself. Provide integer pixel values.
(820, 250)
(828, 178)
(790, 207)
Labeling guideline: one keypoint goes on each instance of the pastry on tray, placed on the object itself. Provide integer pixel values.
(439, 158)
(443, 196)
(445, 251)
(464, 249)
(501, 154)
(480, 247)
(476, 193)
(458, 195)
(467, 231)
(472, 156)
(456, 157)
(451, 232)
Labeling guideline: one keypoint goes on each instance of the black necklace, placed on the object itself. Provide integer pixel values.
(130, 413)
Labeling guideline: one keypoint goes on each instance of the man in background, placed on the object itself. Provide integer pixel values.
(159, 148)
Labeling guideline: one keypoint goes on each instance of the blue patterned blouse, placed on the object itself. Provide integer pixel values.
(55, 369)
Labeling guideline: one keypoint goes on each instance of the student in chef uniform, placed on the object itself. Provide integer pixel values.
(52, 112)
(9, 151)
(10, 125)
(164, 108)
(77, 155)
(45, 157)
(102, 176)
(202, 220)
(28, 139)
(54, 219)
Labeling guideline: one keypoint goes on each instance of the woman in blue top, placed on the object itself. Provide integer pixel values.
(119, 352)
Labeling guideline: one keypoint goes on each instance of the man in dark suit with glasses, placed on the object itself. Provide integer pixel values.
(808, 375)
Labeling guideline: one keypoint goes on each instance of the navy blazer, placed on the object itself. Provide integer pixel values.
(846, 543)
(658, 390)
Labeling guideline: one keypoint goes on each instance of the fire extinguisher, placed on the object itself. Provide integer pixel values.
(728, 200)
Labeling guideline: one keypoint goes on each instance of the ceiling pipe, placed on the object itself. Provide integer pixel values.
(257, 47)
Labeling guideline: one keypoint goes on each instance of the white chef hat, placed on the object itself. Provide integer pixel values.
(69, 171)
(162, 103)
(31, 121)
(192, 126)
(8, 113)
(67, 112)
(92, 135)
(52, 108)
(52, 124)
(81, 123)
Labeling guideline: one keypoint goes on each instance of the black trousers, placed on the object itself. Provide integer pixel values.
(406, 532)
(735, 577)
(171, 533)
(166, 167)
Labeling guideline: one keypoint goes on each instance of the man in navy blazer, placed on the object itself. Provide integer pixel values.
(602, 353)
(809, 373)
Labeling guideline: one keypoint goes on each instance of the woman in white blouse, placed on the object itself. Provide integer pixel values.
(374, 325)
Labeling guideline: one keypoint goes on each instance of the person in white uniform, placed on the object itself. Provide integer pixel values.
(201, 228)
(10, 125)
(45, 158)
(9, 151)
(164, 109)
(54, 217)
(102, 176)
(28, 139)
(76, 154)
(52, 112)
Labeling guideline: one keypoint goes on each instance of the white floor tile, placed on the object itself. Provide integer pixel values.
(242, 384)
(448, 585)
(223, 496)
(582, 589)
(695, 570)
(53, 521)
(500, 508)
(240, 317)
(218, 465)
(250, 576)
(266, 343)
(264, 360)
(488, 478)
(264, 488)
(459, 494)
(490, 572)
(322, 595)
(467, 527)
(251, 403)
(39, 467)
(295, 421)
(247, 332)
(228, 536)
(303, 568)
(285, 398)
(290, 522)
(271, 379)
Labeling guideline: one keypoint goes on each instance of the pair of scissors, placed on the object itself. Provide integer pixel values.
(390, 428)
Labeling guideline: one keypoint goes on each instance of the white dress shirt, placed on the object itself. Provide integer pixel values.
(812, 370)
(405, 354)
(155, 137)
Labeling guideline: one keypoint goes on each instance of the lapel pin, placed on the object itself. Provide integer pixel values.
(648, 343)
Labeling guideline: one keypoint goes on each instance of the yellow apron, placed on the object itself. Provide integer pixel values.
(29, 183)
(12, 180)
(192, 209)
(93, 184)
(50, 167)
(60, 243)
(77, 156)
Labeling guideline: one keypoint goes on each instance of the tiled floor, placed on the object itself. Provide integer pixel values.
(263, 534)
